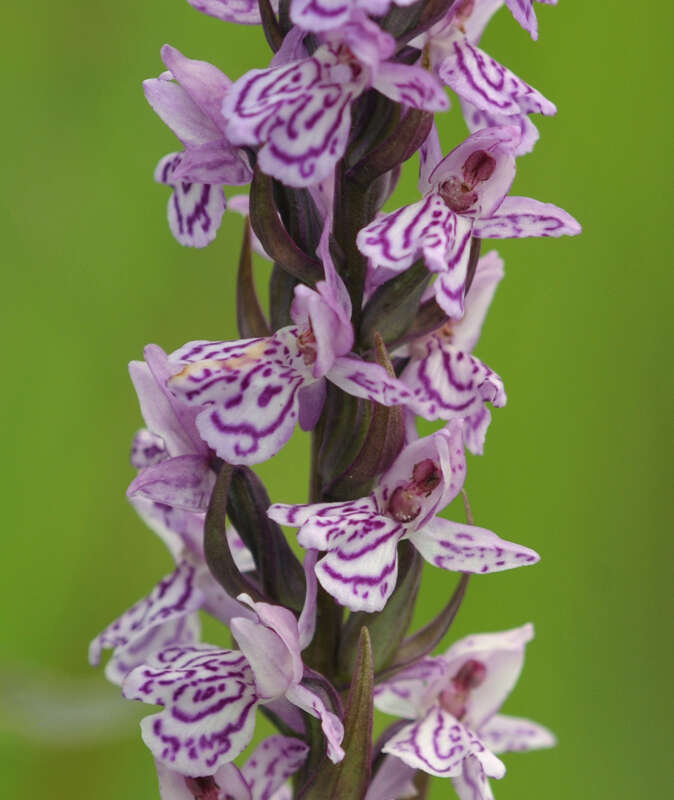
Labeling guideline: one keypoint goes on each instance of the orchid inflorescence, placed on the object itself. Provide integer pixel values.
(373, 320)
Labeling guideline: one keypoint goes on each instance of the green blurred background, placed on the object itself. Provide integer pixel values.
(575, 465)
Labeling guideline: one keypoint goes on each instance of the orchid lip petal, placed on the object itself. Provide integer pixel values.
(210, 699)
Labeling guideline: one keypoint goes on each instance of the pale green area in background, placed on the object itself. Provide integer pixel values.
(575, 465)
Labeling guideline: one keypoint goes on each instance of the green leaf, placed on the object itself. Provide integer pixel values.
(394, 305)
(349, 779)
(398, 147)
(384, 439)
(218, 555)
(281, 574)
(271, 232)
(425, 640)
(388, 627)
(250, 318)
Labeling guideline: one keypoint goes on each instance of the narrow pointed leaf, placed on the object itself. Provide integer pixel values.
(281, 293)
(250, 318)
(397, 148)
(281, 574)
(374, 117)
(425, 640)
(349, 779)
(273, 236)
(346, 420)
(394, 306)
(473, 258)
(388, 628)
(218, 555)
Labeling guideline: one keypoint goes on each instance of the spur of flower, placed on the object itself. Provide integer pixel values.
(360, 537)
(454, 700)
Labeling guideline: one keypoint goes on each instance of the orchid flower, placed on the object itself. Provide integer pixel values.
(465, 197)
(300, 112)
(490, 93)
(445, 380)
(210, 694)
(251, 394)
(454, 701)
(190, 106)
(262, 777)
(361, 536)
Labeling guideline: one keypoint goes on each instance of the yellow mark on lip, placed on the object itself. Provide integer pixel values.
(251, 355)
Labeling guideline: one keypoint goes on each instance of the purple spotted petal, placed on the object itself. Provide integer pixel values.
(472, 783)
(194, 209)
(519, 217)
(215, 163)
(503, 734)
(271, 645)
(248, 392)
(523, 11)
(174, 785)
(181, 631)
(447, 383)
(299, 113)
(466, 548)
(184, 482)
(396, 240)
(488, 85)
(272, 762)
(369, 381)
(267, 655)
(325, 15)
(245, 12)
(174, 597)
(209, 697)
(477, 119)
(361, 565)
(331, 725)
(502, 655)
(393, 781)
(410, 692)
(436, 744)
(411, 85)
(475, 429)
(147, 449)
(450, 285)
(296, 515)
(465, 333)
(180, 530)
